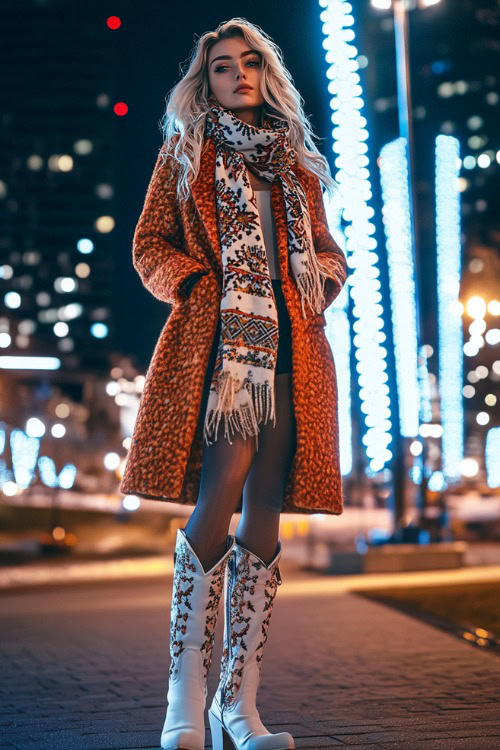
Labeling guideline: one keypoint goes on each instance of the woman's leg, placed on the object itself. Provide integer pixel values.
(251, 587)
(264, 489)
(201, 554)
(224, 470)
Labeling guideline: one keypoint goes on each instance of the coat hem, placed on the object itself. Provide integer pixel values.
(298, 509)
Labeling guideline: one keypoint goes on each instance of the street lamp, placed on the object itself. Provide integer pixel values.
(400, 9)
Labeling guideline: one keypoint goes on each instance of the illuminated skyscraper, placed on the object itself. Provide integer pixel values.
(57, 207)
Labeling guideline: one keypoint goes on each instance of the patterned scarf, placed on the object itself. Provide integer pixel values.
(242, 386)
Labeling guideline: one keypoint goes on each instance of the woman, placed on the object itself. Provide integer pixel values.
(233, 235)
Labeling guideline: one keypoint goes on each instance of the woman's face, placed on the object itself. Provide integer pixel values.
(239, 66)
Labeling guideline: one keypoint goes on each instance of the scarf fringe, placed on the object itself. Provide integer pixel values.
(332, 267)
(243, 408)
(310, 288)
(311, 283)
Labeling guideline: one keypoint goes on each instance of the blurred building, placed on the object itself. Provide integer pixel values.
(455, 82)
(58, 288)
(57, 188)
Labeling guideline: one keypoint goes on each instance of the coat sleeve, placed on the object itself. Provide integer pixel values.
(331, 259)
(158, 250)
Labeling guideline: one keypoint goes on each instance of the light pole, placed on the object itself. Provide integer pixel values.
(400, 9)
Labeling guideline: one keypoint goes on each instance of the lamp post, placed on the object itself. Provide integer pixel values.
(400, 9)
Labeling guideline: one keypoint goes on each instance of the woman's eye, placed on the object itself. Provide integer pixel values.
(250, 62)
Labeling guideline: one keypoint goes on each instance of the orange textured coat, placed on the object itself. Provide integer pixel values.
(173, 239)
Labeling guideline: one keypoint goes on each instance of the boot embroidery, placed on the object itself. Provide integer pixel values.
(182, 605)
(180, 600)
(211, 619)
(243, 613)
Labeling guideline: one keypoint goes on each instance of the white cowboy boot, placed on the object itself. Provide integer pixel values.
(249, 595)
(195, 605)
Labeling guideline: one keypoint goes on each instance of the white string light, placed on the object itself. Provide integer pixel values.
(397, 224)
(448, 245)
(491, 453)
(350, 135)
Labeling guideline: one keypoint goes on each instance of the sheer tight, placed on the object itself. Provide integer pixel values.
(259, 477)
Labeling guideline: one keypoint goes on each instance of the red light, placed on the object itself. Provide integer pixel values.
(113, 22)
(120, 109)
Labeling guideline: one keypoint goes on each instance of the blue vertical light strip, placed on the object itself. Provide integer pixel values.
(396, 215)
(448, 244)
(338, 333)
(425, 410)
(491, 454)
(353, 177)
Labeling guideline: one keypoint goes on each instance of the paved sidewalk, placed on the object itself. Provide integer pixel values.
(85, 668)
(76, 570)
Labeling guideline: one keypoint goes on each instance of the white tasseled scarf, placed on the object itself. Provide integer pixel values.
(242, 387)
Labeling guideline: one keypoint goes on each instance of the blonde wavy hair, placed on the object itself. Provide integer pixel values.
(189, 100)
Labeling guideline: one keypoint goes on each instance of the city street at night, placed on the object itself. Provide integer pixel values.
(249, 365)
(84, 668)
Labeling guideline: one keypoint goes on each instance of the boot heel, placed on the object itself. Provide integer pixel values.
(220, 738)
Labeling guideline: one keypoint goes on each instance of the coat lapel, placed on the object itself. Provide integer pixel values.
(203, 192)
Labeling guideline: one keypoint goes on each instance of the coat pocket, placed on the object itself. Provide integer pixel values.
(191, 282)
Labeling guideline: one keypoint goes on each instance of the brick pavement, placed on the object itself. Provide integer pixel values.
(85, 669)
